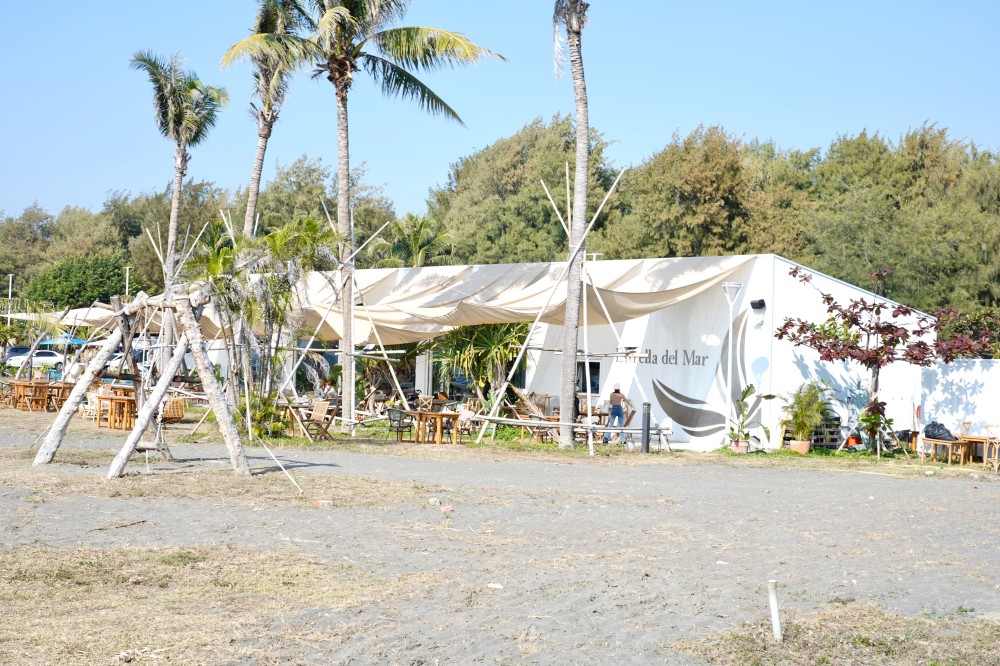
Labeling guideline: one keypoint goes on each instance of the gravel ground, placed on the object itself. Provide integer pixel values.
(585, 561)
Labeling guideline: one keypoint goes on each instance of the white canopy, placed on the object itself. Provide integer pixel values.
(410, 304)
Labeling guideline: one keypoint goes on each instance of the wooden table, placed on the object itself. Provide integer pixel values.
(298, 412)
(971, 442)
(422, 417)
(121, 411)
(949, 446)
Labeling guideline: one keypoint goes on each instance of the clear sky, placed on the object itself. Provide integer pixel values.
(78, 123)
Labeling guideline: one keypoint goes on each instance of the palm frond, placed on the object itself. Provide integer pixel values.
(566, 15)
(290, 50)
(337, 27)
(429, 48)
(394, 80)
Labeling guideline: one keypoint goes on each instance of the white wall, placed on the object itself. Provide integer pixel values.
(966, 390)
(681, 360)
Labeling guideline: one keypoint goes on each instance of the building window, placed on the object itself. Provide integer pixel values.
(595, 377)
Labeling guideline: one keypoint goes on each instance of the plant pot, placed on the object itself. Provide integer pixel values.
(741, 446)
(800, 446)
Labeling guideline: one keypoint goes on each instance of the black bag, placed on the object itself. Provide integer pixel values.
(935, 430)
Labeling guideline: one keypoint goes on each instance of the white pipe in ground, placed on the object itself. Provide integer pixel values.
(772, 594)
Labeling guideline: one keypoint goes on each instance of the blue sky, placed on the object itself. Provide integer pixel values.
(78, 123)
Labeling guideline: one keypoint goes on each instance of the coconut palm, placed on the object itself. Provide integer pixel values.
(570, 16)
(351, 35)
(271, 72)
(414, 241)
(185, 110)
(483, 353)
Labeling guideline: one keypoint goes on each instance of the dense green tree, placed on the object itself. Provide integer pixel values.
(687, 200)
(24, 242)
(78, 232)
(495, 207)
(78, 281)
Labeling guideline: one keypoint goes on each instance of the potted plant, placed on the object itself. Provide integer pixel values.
(745, 410)
(806, 410)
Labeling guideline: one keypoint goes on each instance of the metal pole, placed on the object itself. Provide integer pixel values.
(10, 294)
(127, 269)
(645, 427)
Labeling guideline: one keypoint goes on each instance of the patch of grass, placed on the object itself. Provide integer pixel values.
(852, 633)
(88, 606)
(272, 487)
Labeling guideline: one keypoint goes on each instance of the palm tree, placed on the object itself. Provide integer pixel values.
(271, 71)
(414, 241)
(571, 16)
(483, 353)
(350, 35)
(185, 110)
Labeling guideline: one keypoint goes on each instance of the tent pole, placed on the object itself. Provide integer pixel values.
(378, 339)
(541, 311)
(586, 364)
(618, 338)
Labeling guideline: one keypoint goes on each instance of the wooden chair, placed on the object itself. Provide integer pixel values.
(399, 422)
(538, 433)
(317, 426)
(464, 425)
(425, 403)
(991, 448)
(89, 406)
(36, 396)
(58, 397)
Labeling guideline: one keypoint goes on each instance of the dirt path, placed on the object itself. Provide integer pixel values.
(583, 562)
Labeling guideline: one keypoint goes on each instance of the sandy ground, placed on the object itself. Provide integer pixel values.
(589, 561)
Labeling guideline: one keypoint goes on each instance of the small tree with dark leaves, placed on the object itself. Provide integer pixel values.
(876, 333)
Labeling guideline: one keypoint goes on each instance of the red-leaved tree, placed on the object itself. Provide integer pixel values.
(876, 333)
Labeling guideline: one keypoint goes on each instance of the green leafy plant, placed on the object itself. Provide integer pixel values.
(267, 419)
(746, 408)
(806, 410)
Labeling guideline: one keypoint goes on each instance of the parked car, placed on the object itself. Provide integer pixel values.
(38, 359)
(17, 351)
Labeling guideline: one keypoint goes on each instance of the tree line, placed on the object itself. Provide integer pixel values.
(926, 207)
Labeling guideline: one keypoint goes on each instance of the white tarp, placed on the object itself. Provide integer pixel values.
(411, 304)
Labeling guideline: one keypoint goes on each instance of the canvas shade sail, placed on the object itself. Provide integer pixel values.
(412, 304)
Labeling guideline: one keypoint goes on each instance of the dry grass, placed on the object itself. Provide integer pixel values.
(856, 634)
(88, 606)
(272, 488)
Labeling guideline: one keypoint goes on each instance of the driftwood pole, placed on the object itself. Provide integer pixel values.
(148, 410)
(214, 393)
(57, 431)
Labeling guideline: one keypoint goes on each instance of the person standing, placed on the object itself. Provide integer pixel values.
(618, 402)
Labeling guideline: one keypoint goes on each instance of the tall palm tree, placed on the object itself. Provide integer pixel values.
(351, 35)
(570, 16)
(271, 72)
(414, 241)
(185, 110)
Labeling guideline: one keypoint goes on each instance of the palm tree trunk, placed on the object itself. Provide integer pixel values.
(347, 269)
(169, 257)
(574, 284)
(170, 254)
(263, 134)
